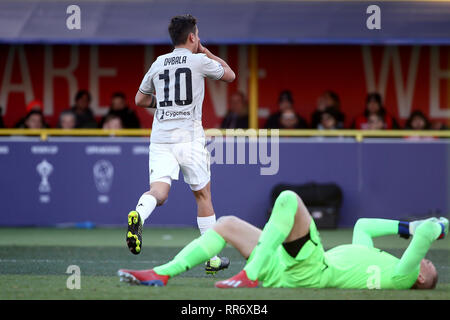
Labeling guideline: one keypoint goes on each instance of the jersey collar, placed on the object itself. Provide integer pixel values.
(182, 50)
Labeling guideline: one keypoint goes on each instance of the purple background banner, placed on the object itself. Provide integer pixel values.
(68, 180)
(226, 22)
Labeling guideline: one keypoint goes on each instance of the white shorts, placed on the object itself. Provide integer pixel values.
(166, 160)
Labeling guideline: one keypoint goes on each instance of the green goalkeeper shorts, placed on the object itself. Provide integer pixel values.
(306, 270)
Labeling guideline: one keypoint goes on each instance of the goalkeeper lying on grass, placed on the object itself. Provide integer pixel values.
(288, 253)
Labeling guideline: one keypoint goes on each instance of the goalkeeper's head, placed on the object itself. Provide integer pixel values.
(428, 276)
(184, 32)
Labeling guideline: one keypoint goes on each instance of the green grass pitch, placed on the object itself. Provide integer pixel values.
(33, 264)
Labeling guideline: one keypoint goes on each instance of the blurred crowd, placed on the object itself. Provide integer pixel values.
(80, 115)
(328, 115)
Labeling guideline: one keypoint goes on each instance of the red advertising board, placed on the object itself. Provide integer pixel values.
(408, 77)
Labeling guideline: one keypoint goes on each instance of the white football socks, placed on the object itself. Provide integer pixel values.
(414, 224)
(206, 223)
(145, 206)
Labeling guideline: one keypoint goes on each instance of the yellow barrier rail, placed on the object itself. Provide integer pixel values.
(359, 135)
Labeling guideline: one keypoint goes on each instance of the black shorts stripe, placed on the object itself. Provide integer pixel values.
(294, 247)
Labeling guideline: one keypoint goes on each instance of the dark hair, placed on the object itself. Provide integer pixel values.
(118, 94)
(286, 95)
(335, 97)
(33, 112)
(180, 27)
(82, 93)
(417, 113)
(375, 96)
(331, 110)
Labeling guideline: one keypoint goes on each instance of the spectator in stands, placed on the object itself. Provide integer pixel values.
(326, 100)
(82, 110)
(285, 105)
(288, 119)
(35, 105)
(237, 115)
(112, 122)
(375, 122)
(120, 108)
(329, 119)
(417, 121)
(33, 120)
(67, 120)
(2, 124)
(374, 105)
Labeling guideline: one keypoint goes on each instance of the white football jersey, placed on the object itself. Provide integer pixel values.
(178, 78)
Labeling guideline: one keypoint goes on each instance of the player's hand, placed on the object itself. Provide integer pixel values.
(201, 49)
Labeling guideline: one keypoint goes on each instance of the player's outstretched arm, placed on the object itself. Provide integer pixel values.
(228, 75)
(145, 100)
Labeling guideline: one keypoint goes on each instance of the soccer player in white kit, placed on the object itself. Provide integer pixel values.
(178, 140)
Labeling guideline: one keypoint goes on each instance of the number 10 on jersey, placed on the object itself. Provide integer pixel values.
(188, 89)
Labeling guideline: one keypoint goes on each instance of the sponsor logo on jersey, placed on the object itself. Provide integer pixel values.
(174, 115)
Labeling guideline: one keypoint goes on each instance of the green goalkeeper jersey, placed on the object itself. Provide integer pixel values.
(362, 266)
(353, 266)
(356, 266)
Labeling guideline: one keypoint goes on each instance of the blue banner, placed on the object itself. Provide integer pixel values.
(225, 22)
(71, 180)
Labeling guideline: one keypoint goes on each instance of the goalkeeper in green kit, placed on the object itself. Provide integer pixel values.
(288, 253)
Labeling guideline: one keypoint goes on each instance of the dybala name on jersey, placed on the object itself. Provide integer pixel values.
(175, 60)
